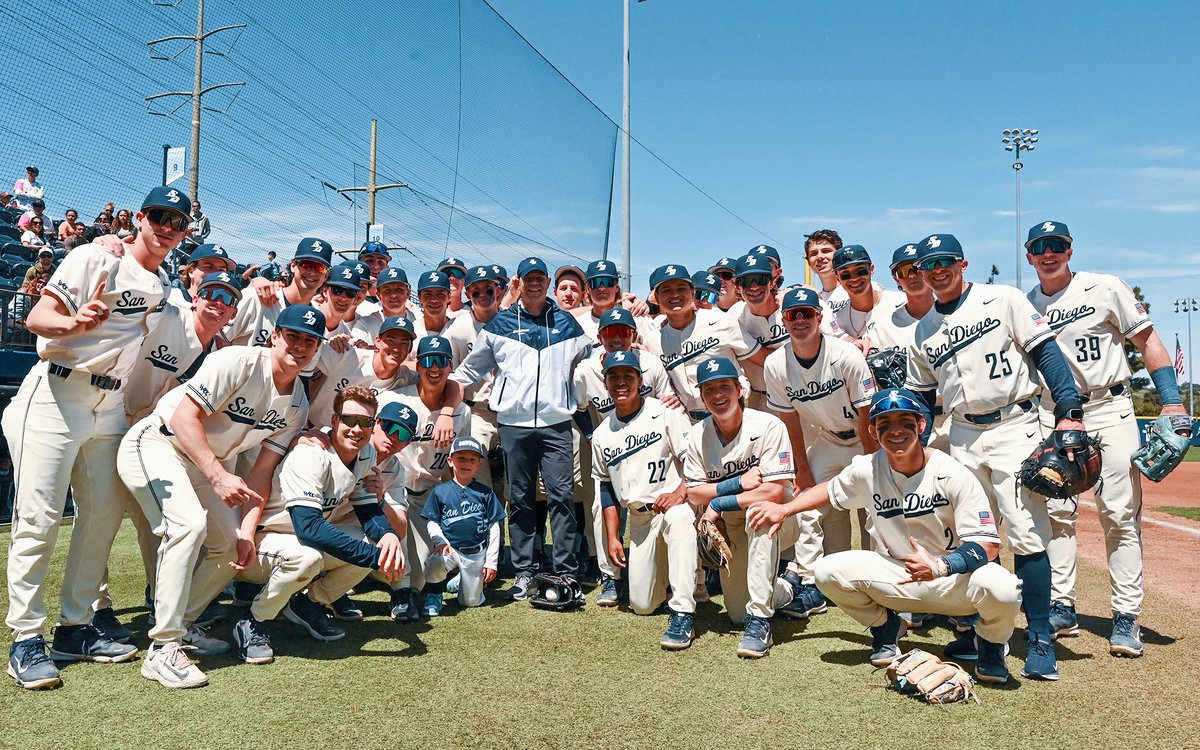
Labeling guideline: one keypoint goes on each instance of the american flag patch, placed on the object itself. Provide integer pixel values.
(785, 457)
(1139, 307)
(868, 384)
(1037, 318)
(985, 518)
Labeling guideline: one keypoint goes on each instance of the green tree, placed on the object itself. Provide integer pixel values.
(992, 276)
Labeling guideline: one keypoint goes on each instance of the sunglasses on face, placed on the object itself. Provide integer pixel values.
(429, 361)
(36, 223)
(357, 420)
(904, 271)
(164, 218)
(310, 266)
(754, 279)
(397, 431)
(217, 294)
(338, 291)
(602, 283)
(933, 264)
(1048, 245)
(808, 313)
(615, 331)
(482, 291)
(854, 274)
(704, 295)
(724, 275)
(454, 273)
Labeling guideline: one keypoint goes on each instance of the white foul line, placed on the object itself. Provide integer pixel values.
(1146, 519)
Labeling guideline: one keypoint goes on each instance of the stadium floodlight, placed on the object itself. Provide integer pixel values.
(1017, 140)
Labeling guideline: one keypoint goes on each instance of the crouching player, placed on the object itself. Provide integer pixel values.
(296, 541)
(738, 458)
(637, 455)
(919, 499)
(463, 519)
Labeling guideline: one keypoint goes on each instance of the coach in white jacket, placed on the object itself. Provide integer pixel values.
(534, 347)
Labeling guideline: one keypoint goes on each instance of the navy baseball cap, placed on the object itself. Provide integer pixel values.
(801, 296)
(669, 273)
(716, 368)
(768, 251)
(602, 269)
(892, 400)
(397, 412)
(466, 443)
(311, 248)
(849, 255)
(434, 345)
(724, 264)
(209, 250)
(904, 254)
(706, 281)
(433, 280)
(344, 275)
(614, 360)
(360, 268)
(939, 246)
(391, 275)
(1048, 229)
(618, 316)
(398, 323)
(501, 274)
(529, 265)
(374, 248)
(302, 319)
(476, 274)
(222, 278)
(452, 262)
(751, 264)
(169, 198)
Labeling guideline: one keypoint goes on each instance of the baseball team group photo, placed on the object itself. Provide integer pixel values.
(277, 475)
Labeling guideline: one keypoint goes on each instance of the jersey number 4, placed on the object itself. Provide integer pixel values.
(999, 366)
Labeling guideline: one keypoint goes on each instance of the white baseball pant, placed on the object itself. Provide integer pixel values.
(287, 566)
(750, 584)
(662, 551)
(470, 573)
(824, 531)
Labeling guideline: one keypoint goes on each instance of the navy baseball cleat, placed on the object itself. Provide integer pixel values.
(197, 639)
(808, 601)
(1040, 661)
(963, 647)
(884, 638)
(86, 643)
(432, 607)
(990, 668)
(346, 610)
(403, 608)
(1126, 637)
(608, 592)
(253, 641)
(312, 617)
(30, 665)
(105, 620)
(1063, 621)
(680, 632)
(520, 588)
(756, 638)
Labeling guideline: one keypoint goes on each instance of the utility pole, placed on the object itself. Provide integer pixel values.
(627, 282)
(1017, 140)
(198, 91)
(370, 188)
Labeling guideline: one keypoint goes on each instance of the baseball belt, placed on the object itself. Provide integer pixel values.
(103, 382)
(1116, 390)
(992, 417)
(473, 549)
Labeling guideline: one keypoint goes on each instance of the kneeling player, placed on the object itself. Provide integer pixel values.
(919, 499)
(637, 455)
(738, 458)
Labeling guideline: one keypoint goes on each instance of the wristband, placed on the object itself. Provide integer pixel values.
(724, 503)
(1167, 385)
(730, 486)
(968, 558)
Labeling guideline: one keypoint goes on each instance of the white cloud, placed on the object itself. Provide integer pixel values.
(1177, 208)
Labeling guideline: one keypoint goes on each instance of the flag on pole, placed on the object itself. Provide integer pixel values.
(1178, 358)
(174, 168)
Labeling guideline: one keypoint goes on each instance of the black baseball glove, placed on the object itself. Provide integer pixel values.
(889, 367)
(1065, 464)
(555, 592)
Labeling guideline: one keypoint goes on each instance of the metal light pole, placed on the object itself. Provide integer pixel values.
(1016, 141)
(627, 282)
(370, 188)
(1189, 306)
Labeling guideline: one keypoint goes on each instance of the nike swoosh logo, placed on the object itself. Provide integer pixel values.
(1126, 414)
(755, 438)
(1090, 288)
(988, 301)
(1030, 434)
(656, 416)
(942, 479)
(713, 322)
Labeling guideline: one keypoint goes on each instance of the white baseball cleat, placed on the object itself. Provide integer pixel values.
(170, 666)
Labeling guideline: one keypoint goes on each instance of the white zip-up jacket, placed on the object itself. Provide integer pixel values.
(534, 357)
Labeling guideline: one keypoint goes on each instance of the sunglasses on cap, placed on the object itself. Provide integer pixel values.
(893, 403)
(396, 430)
(1055, 245)
(338, 291)
(708, 296)
(904, 270)
(808, 313)
(856, 273)
(218, 294)
(433, 360)
(356, 420)
(454, 273)
(932, 264)
(311, 266)
(614, 331)
(604, 282)
(165, 218)
(753, 279)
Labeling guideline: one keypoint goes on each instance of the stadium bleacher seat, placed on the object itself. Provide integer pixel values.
(59, 254)
(19, 250)
(10, 215)
(5, 269)
(11, 232)
(18, 269)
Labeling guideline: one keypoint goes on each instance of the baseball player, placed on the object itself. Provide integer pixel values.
(463, 524)
(758, 318)
(63, 427)
(868, 300)
(637, 456)
(204, 260)
(339, 298)
(381, 369)
(376, 256)
(1093, 316)
(456, 273)
(392, 287)
(708, 290)
(178, 464)
(254, 322)
(819, 248)
(737, 458)
(979, 346)
(820, 386)
(296, 540)
(433, 291)
(604, 291)
(723, 270)
(921, 502)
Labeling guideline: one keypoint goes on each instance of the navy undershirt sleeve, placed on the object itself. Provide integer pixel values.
(1056, 374)
(314, 531)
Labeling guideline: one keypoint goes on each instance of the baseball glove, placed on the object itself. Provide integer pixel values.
(1166, 444)
(713, 544)
(922, 674)
(1049, 471)
(555, 592)
(889, 367)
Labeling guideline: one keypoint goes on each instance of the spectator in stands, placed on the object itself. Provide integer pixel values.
(23, 302)
(36, 211)
(44, 265)
(104, 221)
(29, 189)
(199, 228)
(6, 199)
(123, 226)
(271, 269)
(70, 227)
(35, 234)
(106, 216)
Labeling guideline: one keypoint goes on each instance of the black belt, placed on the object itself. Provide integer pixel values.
(469, 402)
(696, 416)
(641, 508)
(103, 382)
(163, 429)
(847, 435)
(993, 417)
(473, 549)
(1117, 390)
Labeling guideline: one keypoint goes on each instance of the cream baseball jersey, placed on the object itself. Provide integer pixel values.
(236, 391)
(858, 324)
(168, 357)
(312, 477)
(255, 322)
(977, 355)
(895, 330)
(352, 367)
(641, 456)
(710, 334)
(425, 463)
(591, 393)
(135, 298)
(941, 506)
(366, 327)
(1092, 317)
(762, 442)
(765, 331)
(833, 300)
(826, 394)
(462, 333)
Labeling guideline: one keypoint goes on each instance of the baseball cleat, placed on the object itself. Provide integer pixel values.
(403, 609)
(170, 666)
(963, 647)
(346, 610)
(1063, 621)
(197, 639)
(756, 638)
(31, 666)
(86, 643)
(1040, 661)
(520, 588)
(680, 632)
(253, 641)
(991, 668)
(453, 584)
(432, 606)
(211, 615)
(808, 601)
(1126, 637)
(312, 617)
(105, 620)
(608, 592)
(884, 638)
